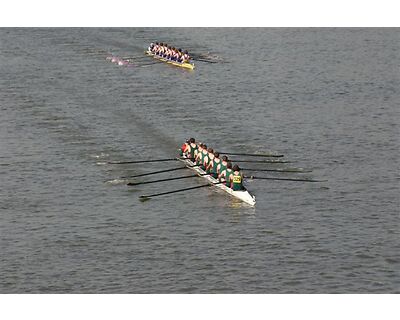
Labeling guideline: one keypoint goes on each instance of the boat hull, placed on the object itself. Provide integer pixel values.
(244, 195)
(185, 65)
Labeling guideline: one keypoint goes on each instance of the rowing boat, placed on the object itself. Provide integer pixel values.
(175, 63)
(243, 195)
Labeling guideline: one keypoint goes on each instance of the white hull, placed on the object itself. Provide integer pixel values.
(245, 196)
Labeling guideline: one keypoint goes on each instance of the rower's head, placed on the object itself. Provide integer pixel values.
(224, 158)
(180, 50)
(161, 44)
(216, 154)
(229, 165)
(205, 147)
(210, 150)
(192, 140)
(236, 168)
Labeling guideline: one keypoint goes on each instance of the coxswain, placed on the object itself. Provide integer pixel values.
(213, 166)
(183, 148)
(236, 179)
(225, 174)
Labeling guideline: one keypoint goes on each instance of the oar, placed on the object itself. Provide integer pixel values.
(167, 179)
(204, 60)
(142, 64)
(156, 172)
(263, 161)
(286, 179)
(137, 57)
(143, 161)
(279, 170)
(253, 154)
(147, 197)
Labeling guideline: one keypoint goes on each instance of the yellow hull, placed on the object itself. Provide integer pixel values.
(178, 64)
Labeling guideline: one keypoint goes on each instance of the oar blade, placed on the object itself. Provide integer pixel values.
(144, 198)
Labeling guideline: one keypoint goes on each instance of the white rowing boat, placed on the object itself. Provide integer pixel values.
(244, 195)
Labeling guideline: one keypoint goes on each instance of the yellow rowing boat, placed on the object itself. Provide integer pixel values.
(175, 63)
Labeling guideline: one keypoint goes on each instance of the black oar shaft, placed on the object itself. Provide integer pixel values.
(262, 161)
(204, 60)
(154, 172)
(179, 190)
(253, 155)
(278, 170)
(286, 179)
(144, 161)
(161, 180)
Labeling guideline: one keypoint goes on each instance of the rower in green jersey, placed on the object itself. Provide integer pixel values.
(199, 154)
(202, 156)
(222, 165)
(190, 149)
(208, 159)
(225, 175)
(213, 166)
(236, 179)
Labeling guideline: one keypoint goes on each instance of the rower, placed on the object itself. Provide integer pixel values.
(177, 54)
(180, 56)
(208, 159)
(199, 155)
(236, 179)
(225, 175)
(213, 166)
(161, 50)
(222, 166)
(185, 57)
(191, 149)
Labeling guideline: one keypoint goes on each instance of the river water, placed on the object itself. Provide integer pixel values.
(328, 99)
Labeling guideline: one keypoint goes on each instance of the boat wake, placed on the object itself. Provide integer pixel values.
(119, 61)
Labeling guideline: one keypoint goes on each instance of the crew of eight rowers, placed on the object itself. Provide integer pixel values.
(210, 161)
(168, 52)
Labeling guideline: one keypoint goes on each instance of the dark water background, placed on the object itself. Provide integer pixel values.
(328, 99)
